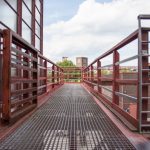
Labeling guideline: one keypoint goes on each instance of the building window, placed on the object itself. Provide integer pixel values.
(26, 32)
(8, 16)
(29, 4)
(37, 29)
(37, 43)
(13, 3)
(37, 16)
(26, 15)
(38, 5)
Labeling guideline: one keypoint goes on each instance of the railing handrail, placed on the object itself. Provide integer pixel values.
(40, 55)
(124, 42)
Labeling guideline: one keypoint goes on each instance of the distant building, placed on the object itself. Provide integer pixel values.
(81, 61)
(64, 58)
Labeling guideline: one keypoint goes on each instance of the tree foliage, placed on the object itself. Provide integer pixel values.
(65, 63)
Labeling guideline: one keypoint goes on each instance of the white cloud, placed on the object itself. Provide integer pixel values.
(94, 29)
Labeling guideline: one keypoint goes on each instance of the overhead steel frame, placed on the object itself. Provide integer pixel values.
(141, 122)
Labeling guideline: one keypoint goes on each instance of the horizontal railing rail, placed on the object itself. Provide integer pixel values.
(72, 74)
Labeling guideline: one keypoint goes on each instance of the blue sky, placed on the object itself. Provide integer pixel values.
(88, 28)
(56, 10)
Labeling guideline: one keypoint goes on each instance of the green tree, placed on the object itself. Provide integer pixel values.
(65, 63)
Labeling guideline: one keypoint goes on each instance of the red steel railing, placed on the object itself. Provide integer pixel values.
(72, 74)
(121, 89)
(25, 76)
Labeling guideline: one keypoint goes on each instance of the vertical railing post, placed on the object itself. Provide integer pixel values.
(1, 66)
(92, 76)
(35, 76)
(60, 76)
(84, 72)
(53, 75)
(88, 75)
(82, 75)
(63, 76)
(46, 76)
(26, 74)
(99, 76)
(6, 73)
(57, 75)
(115, 86)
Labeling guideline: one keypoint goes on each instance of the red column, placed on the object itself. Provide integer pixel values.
(145, 75)
(46, 72)
(53, 76)
(19, 18)
(92, 76)
(6, 73)
(99, 76)
(115, 86)
(57, 75)
(33, 22)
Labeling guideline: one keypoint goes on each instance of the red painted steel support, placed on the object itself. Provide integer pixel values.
(145, 76)
(62, 76)
(6, 73)
(26, 74)
(82, 76)
(115, 98)
(1, 65)
(33, 22)
(92, 76)
(19, 18)
(41, 28)
(19, 31)
(85, 74)
(88, 72)
(53, 76)
(57, 75)
(99, 76)
(46, 73)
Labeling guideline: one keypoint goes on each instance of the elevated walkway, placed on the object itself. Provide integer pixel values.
(69, 120)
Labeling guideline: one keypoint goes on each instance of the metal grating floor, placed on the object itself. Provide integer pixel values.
(70, 120)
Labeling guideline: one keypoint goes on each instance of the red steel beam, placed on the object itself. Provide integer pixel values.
(145, 75)
(6, 75)
(41, 28)
(33, 22)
